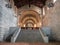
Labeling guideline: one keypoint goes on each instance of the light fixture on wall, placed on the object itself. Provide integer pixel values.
(50, 3)
(24, 25)
(34, 25)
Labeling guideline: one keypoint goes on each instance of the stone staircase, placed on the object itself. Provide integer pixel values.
(29, 36)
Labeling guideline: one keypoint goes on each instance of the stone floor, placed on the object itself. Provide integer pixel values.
(37, 43)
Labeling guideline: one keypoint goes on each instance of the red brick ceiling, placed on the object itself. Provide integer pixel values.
(20, 3)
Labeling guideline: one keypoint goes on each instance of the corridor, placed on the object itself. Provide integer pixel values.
(29, 22)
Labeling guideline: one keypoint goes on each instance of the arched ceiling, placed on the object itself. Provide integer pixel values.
(29, 16)
(30, 20)
(29, 13)
(20, 3)
(29, 24)
(34, 19)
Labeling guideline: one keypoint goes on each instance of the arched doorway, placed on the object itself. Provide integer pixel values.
(29, 18)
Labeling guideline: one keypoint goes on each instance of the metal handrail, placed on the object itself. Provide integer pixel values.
(13, 38)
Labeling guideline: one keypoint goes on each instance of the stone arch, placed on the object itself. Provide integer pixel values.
(29, 15)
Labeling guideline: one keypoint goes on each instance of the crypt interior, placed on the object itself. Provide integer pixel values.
(30, 21)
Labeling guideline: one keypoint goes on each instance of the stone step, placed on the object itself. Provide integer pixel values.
(29, 36)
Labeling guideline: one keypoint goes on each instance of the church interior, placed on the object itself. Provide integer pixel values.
(29, 22)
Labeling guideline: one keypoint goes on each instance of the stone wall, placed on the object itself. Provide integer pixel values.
(52, 20)
(7, 19)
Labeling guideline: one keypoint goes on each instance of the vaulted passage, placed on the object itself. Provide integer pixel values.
(29, 21)
(29, 18)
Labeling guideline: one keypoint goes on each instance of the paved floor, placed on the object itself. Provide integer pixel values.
(22, 43)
